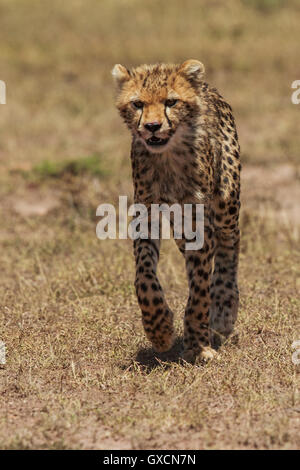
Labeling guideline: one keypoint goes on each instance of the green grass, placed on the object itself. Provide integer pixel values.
(58, 169)
(265, 5)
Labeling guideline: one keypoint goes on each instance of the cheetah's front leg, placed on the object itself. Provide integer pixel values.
(156, 315)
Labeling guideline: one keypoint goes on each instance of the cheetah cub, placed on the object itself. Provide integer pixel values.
(185, 150)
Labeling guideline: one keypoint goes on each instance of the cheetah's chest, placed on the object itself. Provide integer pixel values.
(169, 182)
(174, 179)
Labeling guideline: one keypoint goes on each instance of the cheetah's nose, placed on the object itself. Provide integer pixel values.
(152, 126)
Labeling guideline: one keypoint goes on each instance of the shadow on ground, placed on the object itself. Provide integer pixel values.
(149, 359)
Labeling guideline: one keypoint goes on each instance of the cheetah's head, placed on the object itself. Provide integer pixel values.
(159, 102)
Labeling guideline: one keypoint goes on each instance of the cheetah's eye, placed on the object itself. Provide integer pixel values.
(170, 103)
(138, 104)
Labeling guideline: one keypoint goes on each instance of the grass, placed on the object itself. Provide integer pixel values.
(79, 371)
(57, 169)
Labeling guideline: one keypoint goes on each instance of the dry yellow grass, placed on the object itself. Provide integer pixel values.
(79, 372)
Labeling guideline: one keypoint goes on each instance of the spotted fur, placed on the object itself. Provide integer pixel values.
(185, 150)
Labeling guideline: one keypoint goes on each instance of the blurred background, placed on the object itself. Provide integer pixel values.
(68, 312)
(56, 60)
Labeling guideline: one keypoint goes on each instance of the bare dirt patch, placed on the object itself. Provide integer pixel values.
(273, 192)
(34, 203)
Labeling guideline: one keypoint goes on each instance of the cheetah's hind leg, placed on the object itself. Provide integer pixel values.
(224, 288)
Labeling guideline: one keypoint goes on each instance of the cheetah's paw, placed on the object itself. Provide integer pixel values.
(204, 356)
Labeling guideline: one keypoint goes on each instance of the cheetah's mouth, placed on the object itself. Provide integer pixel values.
(156, 141)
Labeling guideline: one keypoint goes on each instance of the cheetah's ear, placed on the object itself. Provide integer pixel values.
(120, 74)
(193, 70)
